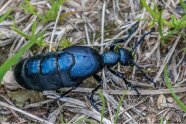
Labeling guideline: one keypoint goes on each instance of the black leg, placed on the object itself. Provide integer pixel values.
(129, 85)
(100, 81)
(72, 88)
(91, 98)
(133, 29)
(144, 74)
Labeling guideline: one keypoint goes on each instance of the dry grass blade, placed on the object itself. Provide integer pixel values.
(167, 59)
(67, 100)
(97, 24)
(54, 115)
(5, 5)
(91, 114)
(142, 92)
(54, 29)
(3, 104)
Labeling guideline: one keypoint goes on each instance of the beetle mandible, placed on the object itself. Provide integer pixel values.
(71, 66)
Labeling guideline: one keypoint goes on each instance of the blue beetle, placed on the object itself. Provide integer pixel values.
(58, 69)
(71, 66)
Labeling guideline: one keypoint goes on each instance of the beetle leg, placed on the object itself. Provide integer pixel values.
(144, 74)
(72, 88)
(100, 81)
(129, 85)
(91, 98)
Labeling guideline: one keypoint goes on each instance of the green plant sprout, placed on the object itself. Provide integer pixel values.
(175, 97)
(34, 38)
(49, 15)
(174, 24)
(5, 15)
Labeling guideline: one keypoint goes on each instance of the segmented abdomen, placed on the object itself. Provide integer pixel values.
(45, 72)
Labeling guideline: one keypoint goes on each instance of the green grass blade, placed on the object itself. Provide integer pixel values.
(168, 84)
(15, 58)
(183, 4)
(155, 15)
(20, 32)
(160, 26)
(118, 108)
(52, 13)
(5, 15)
(34, 26)
(62, 119)
(149, 9)
(28, 8)
(103, 105)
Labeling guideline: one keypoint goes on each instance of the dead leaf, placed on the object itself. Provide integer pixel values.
(160, 101)
(22, 96)
(151, 119)
(9, 81)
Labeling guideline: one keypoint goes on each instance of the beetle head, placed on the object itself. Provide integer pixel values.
(125, 57)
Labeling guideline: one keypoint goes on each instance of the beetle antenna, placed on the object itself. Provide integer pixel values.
(142, 39)
(133, 29)
(144, 74)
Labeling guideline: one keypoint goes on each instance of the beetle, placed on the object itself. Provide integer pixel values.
(71, 66)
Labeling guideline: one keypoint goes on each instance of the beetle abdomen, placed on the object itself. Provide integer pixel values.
(45, 72)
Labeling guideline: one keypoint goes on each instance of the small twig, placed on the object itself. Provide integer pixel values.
(167, 58)
(179, 83)
(55, 25)
(86, 31)
(53, 116)
(12, 111)
(5, 5)
(103, 24)
(102, 37)
(67, 99)
(120, 92)
(115, 104)
(92, 114)
(152, 50)
(24, 113)
(37, 104)
(140, 102)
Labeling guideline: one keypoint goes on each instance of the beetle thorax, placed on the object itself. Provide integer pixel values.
(123, 56)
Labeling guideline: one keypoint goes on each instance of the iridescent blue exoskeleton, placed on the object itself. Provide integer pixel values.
(71, 66)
